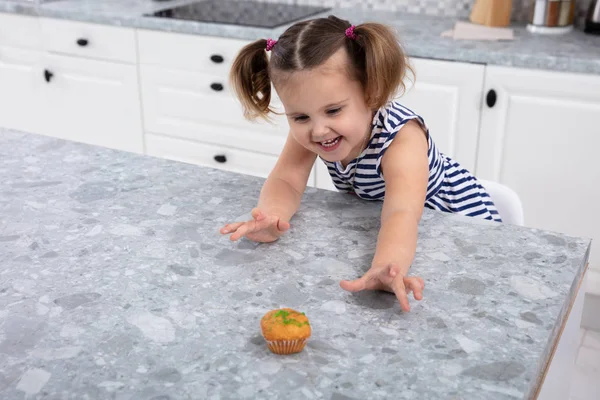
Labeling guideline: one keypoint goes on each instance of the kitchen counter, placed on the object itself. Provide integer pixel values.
(115, 283)
(573, 52)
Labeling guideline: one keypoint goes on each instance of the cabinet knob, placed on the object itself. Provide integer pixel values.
(491, 98)
(217, 87)
(48, 75)
(220, 158)
(82, 42)
(216, 58)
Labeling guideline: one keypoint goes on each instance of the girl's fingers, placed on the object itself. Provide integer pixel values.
(394, 270)
(263, 223)
(257, 214)
(282, 226)
(259, 222)
(367, 281)
(243, 230)
(416, 286)
(231, 227)
(400, 291)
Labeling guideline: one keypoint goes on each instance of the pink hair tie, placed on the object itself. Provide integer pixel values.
(270, 44)
(350, 33)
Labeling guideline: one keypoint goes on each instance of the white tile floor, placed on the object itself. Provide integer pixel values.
(585, 383)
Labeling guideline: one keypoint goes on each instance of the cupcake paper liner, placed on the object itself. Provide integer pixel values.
(286, 346)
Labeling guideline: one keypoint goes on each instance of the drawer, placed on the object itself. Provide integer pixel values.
(20, 31)
(220, 157)
(208, 155)
(183, 104)
(188, 52)
(21, 87)
(89, 40)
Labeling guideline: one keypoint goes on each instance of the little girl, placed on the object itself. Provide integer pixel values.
(336, 82)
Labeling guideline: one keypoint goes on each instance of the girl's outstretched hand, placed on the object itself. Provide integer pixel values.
(261, 228)
(390, 279)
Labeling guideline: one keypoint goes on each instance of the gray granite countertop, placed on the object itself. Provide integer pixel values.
(114, 283)
(573, 52)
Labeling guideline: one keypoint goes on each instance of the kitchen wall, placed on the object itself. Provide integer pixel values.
(451, 8)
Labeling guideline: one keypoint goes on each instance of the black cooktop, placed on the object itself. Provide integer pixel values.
(240, 12)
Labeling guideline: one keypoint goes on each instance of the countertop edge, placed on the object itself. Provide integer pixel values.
(557, 330)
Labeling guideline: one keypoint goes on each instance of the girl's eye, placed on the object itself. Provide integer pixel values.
(301, 118)
(334, 111)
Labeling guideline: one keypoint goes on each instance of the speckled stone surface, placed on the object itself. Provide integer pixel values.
(114, 283)
(573, 52)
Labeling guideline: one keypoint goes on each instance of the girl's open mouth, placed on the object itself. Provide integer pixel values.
(331, 144)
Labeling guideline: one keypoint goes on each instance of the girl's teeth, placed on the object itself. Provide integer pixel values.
(330, 143)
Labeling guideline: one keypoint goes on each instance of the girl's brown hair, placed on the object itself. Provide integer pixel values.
(377, 61)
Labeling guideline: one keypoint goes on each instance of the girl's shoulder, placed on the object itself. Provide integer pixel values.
(394, 116)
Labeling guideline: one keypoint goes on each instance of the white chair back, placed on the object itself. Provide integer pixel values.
(507, 202)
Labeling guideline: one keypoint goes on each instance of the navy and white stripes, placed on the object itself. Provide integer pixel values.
(451, 188)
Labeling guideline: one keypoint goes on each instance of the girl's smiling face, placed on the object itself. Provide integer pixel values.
(326, 110)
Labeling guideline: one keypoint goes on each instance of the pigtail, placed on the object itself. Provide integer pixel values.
(385, 63)
(250, 79)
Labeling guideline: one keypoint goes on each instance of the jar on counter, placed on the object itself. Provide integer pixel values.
(551, 16)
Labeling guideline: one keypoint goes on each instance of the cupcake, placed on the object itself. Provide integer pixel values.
(285, 330)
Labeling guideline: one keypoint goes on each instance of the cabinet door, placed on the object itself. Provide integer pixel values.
(541, 138)
(200, 106)
(20, 87)
(448, 97)
(94, 102)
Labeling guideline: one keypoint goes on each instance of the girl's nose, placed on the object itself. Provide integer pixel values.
(319, 131)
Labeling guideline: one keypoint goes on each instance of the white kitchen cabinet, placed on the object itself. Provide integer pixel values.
(20, 31)
(91, 101)
(199, 106)
(190, 114)
(448, 97)
(95, 102)
(541, 138)
(21, 83)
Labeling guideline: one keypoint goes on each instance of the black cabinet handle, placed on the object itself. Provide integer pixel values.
(48, 75)
(216, 58)
(220, 158)
(217, 87)
(491, 98)
(82, 42)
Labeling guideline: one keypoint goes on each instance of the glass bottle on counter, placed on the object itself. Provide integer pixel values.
(551, 16)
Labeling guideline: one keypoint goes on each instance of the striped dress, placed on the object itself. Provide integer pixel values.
(451, 188)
